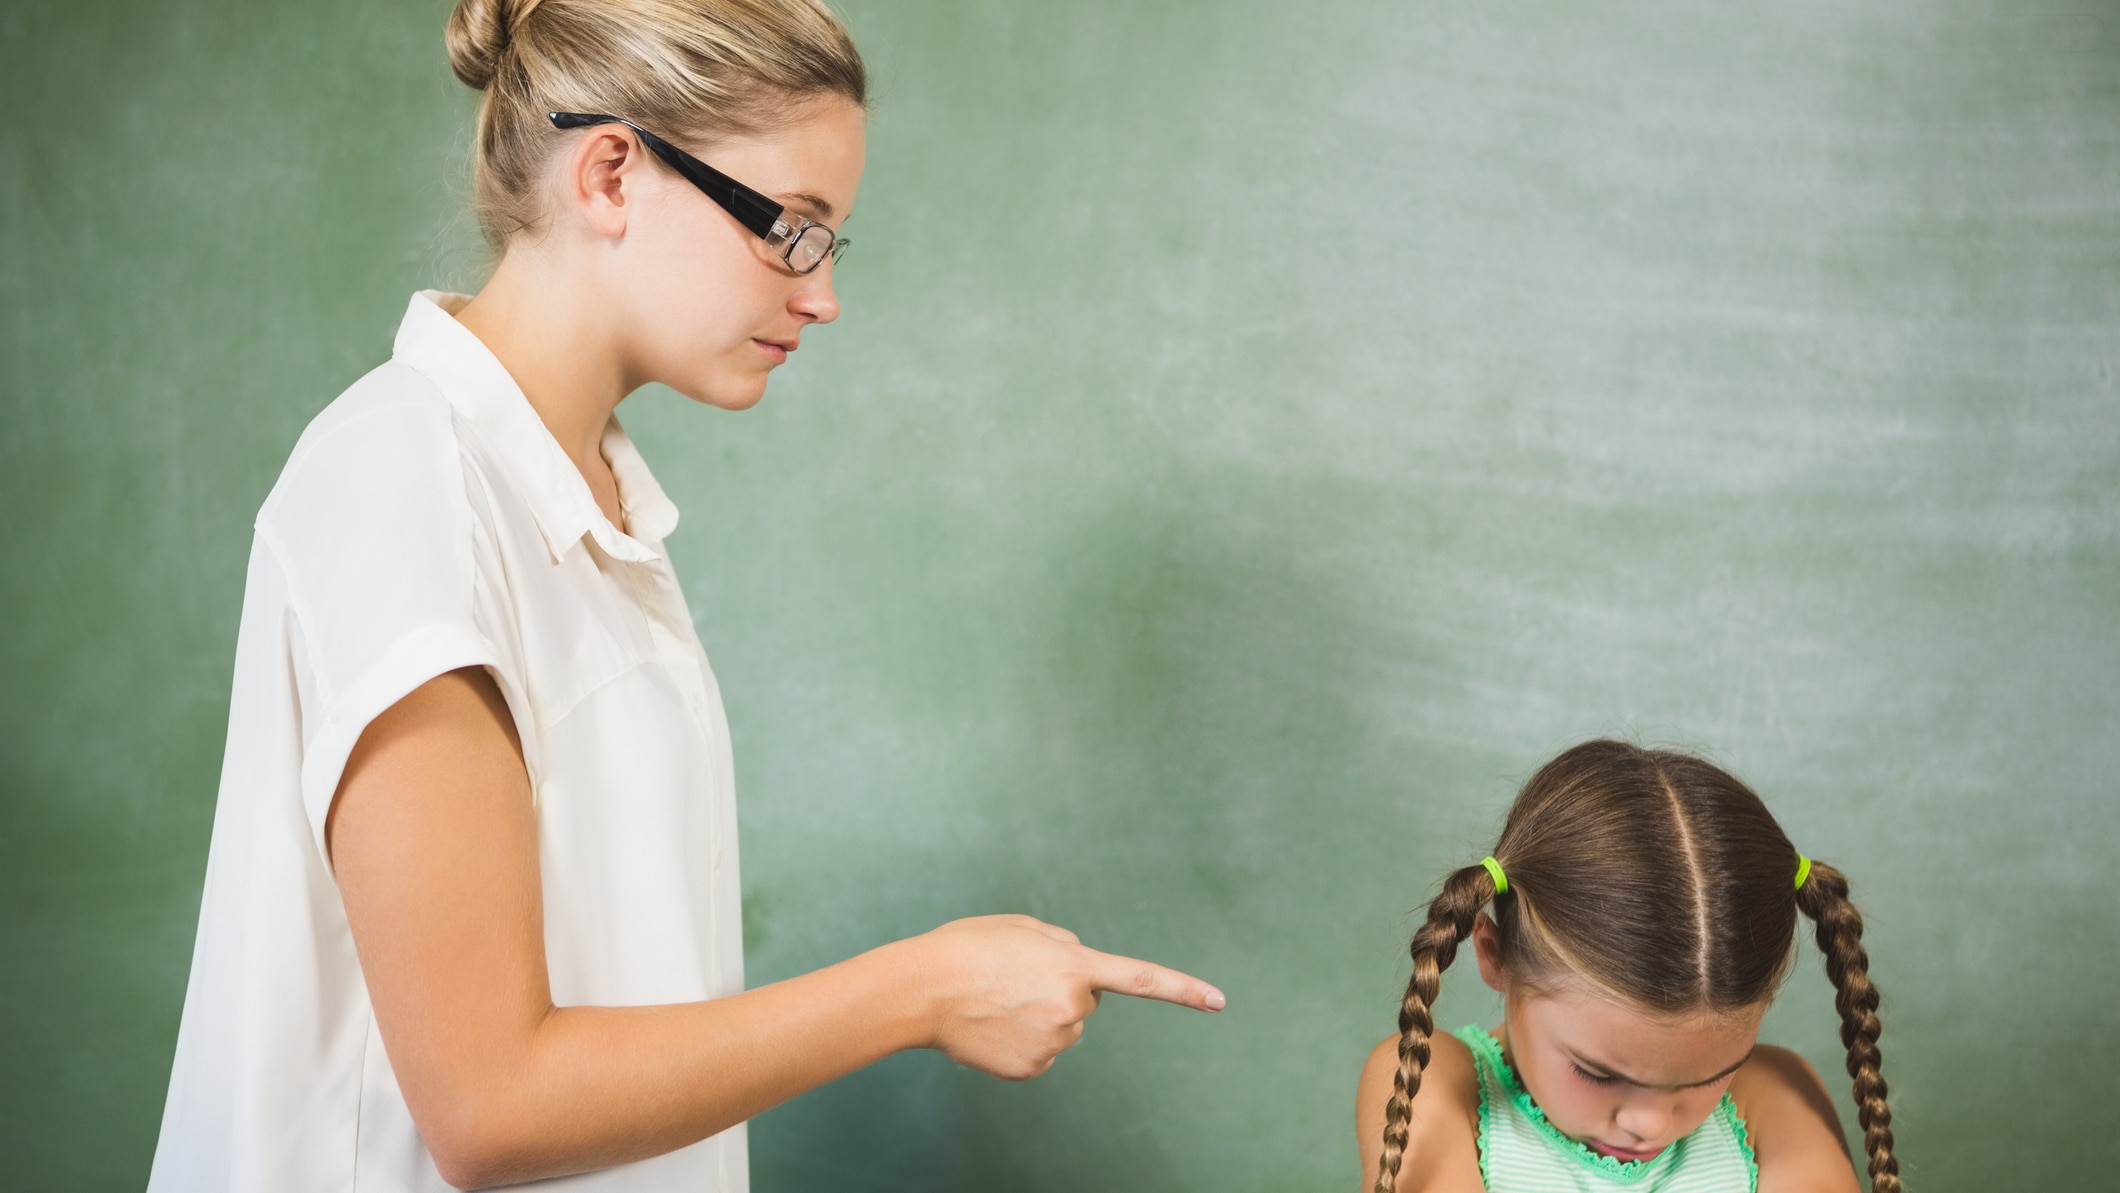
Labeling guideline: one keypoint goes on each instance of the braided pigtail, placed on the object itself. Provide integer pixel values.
(1450, 917)
(1824, 898)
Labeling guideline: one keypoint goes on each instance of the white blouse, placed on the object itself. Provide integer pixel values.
(428, 521)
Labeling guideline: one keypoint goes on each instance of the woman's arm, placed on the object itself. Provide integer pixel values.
(1790, 1120)
(434, 843)
(1442, 1138)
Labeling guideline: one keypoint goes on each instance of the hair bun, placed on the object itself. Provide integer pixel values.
(477, 35)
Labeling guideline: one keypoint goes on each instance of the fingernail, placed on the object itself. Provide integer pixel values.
(1215, 1001)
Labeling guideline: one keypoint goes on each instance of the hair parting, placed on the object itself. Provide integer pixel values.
(1434, 947)
(1824, 898)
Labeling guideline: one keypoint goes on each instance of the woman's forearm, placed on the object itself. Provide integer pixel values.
(591, 1087)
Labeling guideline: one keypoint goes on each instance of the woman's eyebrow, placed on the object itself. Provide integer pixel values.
(1602, 1070)
(818, 206)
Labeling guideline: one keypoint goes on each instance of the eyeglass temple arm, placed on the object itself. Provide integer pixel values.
(751, 209)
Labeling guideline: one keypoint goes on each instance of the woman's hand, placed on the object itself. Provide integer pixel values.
(1010, 992)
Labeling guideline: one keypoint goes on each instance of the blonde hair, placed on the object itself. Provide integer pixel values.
(693, 70)
(1663, 880)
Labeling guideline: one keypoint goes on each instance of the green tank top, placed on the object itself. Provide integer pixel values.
(1520, 1152)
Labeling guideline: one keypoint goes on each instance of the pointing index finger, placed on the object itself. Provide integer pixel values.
(1146, 979)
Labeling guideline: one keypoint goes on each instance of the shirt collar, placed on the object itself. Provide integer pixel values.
(479, 388)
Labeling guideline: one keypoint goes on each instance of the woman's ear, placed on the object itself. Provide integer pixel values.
(1487, 943)
(603, 177)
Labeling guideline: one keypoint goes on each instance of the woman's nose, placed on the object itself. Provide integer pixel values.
(815, 301)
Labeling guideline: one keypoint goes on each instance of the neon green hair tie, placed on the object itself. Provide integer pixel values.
(1501, 880)
(1803, 870)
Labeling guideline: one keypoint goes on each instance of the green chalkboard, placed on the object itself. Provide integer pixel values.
(1259, 435)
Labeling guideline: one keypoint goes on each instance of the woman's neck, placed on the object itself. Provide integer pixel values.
(548, 332)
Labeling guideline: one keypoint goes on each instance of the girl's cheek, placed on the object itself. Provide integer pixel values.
(1692, 1112)
(1579, 1112)
(1707, 1104)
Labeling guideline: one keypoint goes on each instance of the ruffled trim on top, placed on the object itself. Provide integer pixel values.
(1727, 1109)
(1489, 1050)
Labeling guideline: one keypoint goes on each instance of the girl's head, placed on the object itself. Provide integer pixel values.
(1648, 917)
(770, 93)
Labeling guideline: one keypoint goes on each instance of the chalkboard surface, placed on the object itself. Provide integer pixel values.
(1259, 435)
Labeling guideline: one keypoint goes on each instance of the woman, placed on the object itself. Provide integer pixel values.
(471, 911)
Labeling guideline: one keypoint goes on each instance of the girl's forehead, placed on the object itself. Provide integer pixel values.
(1644, 1047)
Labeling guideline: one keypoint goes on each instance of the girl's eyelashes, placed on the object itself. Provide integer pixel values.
(1608, 1079)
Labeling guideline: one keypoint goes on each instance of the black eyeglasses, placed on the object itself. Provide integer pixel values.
(803, 244)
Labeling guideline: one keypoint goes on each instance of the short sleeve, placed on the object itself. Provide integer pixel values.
(379, 545)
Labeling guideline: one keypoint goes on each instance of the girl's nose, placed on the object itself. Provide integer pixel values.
(1647, 1119)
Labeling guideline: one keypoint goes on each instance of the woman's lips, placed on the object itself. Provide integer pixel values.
(776, 350)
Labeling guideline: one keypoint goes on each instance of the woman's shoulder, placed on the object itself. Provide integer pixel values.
(387, 453)
(390, 410)
(374, 521)
(1442, 1135)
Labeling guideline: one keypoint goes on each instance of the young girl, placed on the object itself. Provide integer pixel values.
(1644, 911)
(471, 907)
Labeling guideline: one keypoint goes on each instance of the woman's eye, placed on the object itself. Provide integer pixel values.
(1593, 1078)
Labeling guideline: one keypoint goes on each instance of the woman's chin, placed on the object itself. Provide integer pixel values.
(727, 393)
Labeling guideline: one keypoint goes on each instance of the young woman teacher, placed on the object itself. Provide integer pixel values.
(471, 909)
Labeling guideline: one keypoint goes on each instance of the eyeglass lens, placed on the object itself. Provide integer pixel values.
(812, 245)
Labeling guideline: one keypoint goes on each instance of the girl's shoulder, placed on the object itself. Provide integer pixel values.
(1775, 1080)
(1791, 1124)
(1442, 1136)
